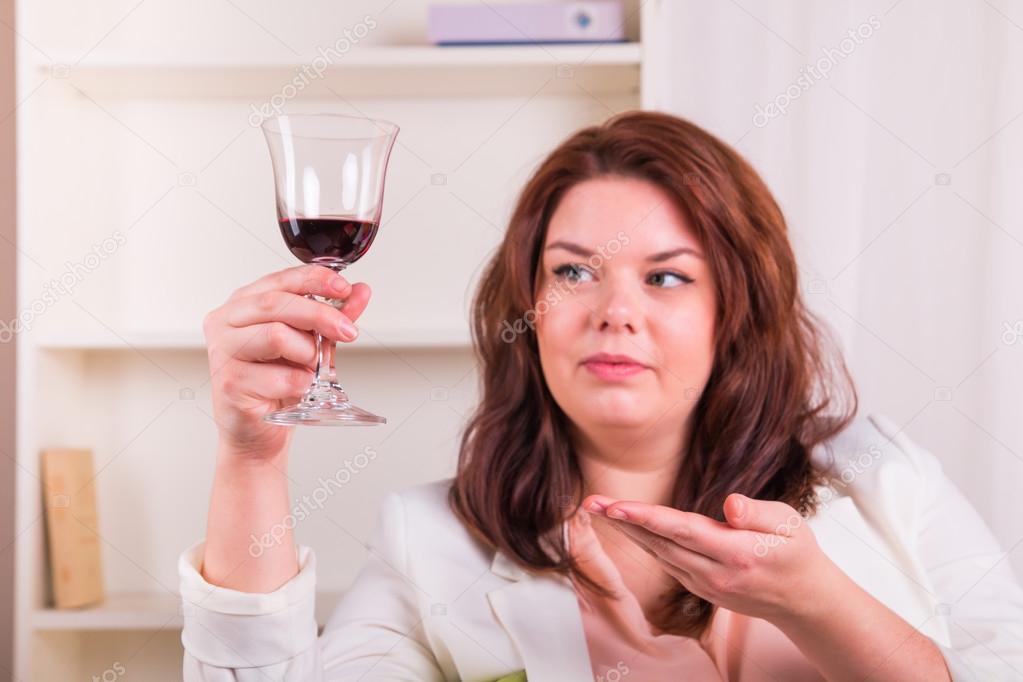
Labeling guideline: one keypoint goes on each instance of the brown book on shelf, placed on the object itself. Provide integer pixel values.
(69, 498)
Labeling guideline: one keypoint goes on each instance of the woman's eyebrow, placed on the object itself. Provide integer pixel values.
(655, 257)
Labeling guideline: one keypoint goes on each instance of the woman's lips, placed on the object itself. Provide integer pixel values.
(613, 371)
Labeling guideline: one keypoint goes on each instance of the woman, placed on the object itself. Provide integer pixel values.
(665, 477)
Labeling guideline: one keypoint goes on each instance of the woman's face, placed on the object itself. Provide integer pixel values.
(614, 281)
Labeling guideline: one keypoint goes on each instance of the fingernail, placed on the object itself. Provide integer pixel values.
(338, 283)
(347, 329)
(617, 514)
(595, 507)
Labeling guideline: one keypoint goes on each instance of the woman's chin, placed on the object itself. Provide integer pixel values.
(618, 413)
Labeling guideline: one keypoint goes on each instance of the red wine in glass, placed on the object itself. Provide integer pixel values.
(328, 239)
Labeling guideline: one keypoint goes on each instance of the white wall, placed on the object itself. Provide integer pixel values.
(899, 174)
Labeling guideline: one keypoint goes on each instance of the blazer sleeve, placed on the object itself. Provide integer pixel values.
(374, 633)
(979, 597)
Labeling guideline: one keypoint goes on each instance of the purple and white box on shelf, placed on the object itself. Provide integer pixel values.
(597, 21)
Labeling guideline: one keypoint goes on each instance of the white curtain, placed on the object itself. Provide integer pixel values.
(900, 173)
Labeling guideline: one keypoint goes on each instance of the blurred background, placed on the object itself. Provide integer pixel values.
(136, 194)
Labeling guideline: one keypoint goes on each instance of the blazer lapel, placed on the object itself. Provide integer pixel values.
(541, 615)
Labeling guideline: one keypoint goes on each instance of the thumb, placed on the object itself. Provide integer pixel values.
(764, 516)
(357, 301)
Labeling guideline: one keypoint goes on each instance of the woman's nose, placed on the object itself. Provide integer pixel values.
(616, 311)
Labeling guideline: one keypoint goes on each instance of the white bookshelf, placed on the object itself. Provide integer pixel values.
(385, 57)
(137, 121)
(144, 611)
(369, 339)
(373, 70)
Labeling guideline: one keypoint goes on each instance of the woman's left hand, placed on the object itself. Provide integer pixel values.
(764, 562)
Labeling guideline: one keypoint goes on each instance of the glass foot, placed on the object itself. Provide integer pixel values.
(324, 407)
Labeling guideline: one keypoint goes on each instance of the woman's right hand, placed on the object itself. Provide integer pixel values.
(262, 352)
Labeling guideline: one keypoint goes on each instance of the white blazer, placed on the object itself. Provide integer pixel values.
(432, 603)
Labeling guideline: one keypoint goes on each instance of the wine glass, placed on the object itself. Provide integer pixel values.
(329, 178)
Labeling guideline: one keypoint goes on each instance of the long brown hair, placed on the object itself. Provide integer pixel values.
(765, 405)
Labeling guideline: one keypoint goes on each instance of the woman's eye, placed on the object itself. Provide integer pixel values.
(681, 278)
(571, 272)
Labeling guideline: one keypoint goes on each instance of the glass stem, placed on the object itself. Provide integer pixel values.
(325, 385)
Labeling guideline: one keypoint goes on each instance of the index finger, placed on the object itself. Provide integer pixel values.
(301, 279)
(596, 563)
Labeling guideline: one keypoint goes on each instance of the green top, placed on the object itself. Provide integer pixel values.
(520, 676)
